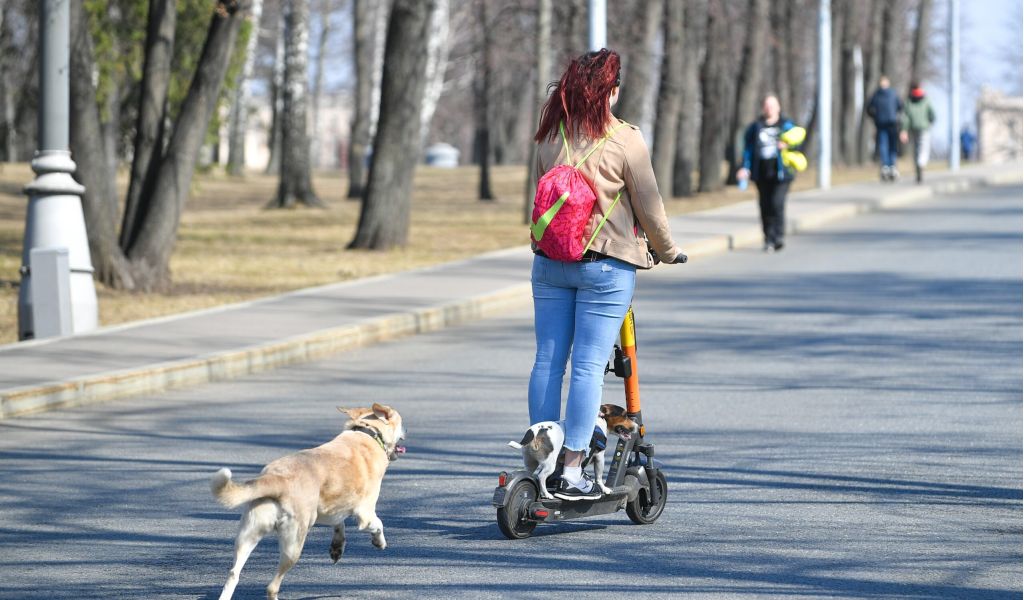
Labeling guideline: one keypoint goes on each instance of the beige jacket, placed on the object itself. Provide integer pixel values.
(621, 163)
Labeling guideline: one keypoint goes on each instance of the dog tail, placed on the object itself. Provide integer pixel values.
(232, 494)
(527, 438)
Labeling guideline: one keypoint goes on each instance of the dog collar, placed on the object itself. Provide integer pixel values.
(377, 437)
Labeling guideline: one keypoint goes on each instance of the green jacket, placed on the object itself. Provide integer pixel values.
(918, 115)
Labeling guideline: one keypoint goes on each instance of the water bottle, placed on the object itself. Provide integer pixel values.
(742, 183)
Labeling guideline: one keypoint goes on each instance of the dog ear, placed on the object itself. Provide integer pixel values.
(353, 413)
(384, 412)
(603, 412)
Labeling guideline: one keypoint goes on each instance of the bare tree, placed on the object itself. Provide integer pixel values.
(143, 262)
(326, 7)
(437, 64)
(543, 74)
(384, 218)
(688, 138)
(365, 14)
(669, 96)
(295, 183)
(277, 97)
(872, 71)
(716, 110)
(481, 102)
(748, 82)
(239, 117)
(919, 56)
(638, 71)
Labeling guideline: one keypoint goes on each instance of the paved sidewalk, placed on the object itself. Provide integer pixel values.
(240, 339)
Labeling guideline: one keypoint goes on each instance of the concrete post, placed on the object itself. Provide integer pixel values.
(598, 24)
(824, 94)
(954, 85)
(54, 217)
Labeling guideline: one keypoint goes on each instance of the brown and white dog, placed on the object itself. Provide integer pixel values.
(543, 441)
(324, 485)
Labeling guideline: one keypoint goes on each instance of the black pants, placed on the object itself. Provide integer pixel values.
(772, 198)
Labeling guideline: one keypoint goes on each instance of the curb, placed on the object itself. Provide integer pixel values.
(223, 366)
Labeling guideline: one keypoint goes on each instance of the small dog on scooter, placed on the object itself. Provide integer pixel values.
(325, 485)
(543, 443)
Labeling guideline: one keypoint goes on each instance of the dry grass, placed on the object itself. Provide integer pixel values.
(231, 249)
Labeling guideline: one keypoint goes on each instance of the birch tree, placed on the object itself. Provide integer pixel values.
(295, 183)
(239, 118)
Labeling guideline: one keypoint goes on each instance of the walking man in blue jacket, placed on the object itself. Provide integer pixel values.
(885, 108)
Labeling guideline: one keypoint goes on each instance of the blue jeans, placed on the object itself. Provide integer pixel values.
(577, 307)
(887, 140)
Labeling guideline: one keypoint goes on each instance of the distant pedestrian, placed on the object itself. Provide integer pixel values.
(885, 107)
(967, 140)
(764, 162)
(918, 116)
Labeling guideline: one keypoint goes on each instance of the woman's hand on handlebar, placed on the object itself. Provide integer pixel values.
(678, 259)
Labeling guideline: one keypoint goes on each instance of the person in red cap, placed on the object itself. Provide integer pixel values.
(918, 116)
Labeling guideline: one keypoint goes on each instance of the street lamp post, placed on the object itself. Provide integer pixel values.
(54, 218)
(824, 94)
(954, 85)
(598, 24)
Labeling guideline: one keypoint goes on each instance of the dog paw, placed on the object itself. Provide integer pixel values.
(380, 542)
(336, 552)
(604, 489)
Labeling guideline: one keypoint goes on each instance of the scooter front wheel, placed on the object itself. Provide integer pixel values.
(641, 510)
(514, 518)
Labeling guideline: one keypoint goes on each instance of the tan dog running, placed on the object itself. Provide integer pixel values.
(323, 485)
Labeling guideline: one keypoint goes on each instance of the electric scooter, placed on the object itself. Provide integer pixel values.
(636, 480)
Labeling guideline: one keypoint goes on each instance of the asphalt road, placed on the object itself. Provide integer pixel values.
(840, 420)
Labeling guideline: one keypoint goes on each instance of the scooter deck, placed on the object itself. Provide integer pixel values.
(558, 509)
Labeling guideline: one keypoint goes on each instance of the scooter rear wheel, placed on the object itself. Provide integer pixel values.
(514, 518)
(641, 511)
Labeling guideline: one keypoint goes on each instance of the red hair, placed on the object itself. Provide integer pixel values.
(580, 97)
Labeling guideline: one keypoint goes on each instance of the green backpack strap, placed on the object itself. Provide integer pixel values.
(601, 224)
(568, 153)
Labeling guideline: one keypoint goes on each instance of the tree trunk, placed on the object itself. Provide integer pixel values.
(149, 128)
(295, 183)
(779, 18)
(437, 64)
(715, 109)
(872, 71)
(318, 83)
(384, 218)
(847, 129)
(161, 212)
(99, 201)
(243, 97)
(918, 58)
(748, 83)
(541, 96)
(669, 97)
(277, 100)
(482, 104)
(892, 42)
(638, 75)
(359, 138)
(838, 23)
(688, 137)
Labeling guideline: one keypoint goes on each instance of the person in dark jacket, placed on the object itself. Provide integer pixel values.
(885, 108)
(762, 163)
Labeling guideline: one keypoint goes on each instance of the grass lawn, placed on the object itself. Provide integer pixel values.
(230, 248)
